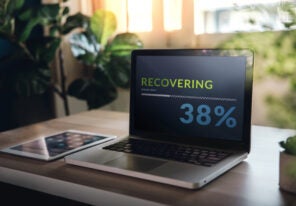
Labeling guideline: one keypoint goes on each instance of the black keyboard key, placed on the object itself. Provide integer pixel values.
(187, 154)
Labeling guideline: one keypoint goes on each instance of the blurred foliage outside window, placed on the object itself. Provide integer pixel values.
(275, 55)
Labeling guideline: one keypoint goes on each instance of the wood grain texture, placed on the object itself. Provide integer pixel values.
(253, 182)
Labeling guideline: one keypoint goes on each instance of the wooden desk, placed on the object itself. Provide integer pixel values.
(253, 182)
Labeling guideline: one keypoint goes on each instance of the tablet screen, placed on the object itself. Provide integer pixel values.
(59, 144)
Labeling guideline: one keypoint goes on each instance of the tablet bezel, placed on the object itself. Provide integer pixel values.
(50, 158)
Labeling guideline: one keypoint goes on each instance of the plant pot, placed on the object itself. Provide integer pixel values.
(287, 172)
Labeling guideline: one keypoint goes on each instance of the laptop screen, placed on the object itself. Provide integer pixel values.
(193, 94)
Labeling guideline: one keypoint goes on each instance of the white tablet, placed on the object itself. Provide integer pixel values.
(57, 145)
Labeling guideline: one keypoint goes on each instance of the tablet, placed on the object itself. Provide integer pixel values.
(57, 145)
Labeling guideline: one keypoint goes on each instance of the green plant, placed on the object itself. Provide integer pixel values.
(106, 60)
(289, 145)
(25, 70)
(278, 61)
(284, 66)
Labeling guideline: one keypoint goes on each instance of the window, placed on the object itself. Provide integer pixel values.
(138, 15)
(226, 16)
(172, 12)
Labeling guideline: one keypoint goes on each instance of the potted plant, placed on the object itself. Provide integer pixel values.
(25, 75)
(27, 51)
(288, 165)
(106, 60)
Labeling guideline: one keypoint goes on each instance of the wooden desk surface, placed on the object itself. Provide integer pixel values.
(253, 182)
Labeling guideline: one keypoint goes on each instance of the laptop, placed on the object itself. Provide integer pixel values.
(190, 118)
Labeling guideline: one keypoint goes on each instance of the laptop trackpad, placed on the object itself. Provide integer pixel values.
(135, 163)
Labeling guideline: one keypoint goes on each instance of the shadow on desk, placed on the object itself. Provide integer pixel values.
(15, 195)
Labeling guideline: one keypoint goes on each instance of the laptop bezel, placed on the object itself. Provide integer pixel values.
(226, 144)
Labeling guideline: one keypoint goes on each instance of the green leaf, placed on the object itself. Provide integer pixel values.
(75, 21)
(118, 66)
(124, 43)
(8, 10)
(26, 15)
(84, 47)
(53, 30)
(43, 49)
(14, 5)
(28, 29)
(66, 11)
(32, 79)
(118, 69)
(290, 145)
(43, 15)
(103, 25)
(48, 51)
(49, 12)
(6, 30)
(96, 91)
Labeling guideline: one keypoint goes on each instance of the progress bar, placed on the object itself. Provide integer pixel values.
(189, 97)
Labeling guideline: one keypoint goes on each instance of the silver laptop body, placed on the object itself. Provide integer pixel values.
(197, 98)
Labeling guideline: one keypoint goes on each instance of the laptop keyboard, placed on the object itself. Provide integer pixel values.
(181, 153)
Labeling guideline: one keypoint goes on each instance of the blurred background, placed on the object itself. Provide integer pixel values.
(265, 26)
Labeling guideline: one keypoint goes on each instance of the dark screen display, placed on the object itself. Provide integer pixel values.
(190, 96)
